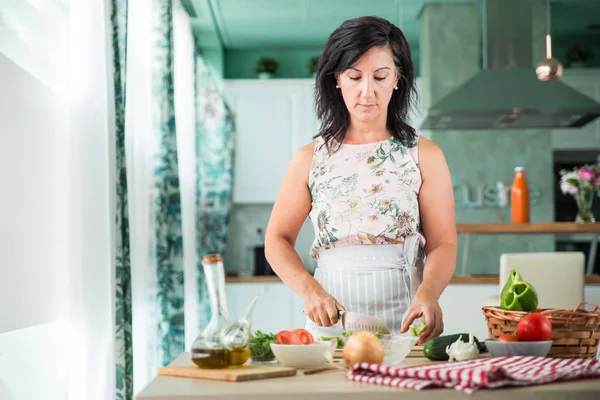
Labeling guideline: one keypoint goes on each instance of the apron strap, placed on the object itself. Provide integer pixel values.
(413, 256)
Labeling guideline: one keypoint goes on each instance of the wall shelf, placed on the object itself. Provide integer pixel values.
(529, 228)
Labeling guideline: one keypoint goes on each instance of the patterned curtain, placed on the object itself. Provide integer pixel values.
(168, 238)
(215, 154)
(124, 353)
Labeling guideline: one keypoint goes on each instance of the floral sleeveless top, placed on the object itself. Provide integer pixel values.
(364, 194)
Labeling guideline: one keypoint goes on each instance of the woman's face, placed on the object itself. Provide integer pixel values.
(367, 86)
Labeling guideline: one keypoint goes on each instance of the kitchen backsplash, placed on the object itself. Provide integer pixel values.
(243, 237)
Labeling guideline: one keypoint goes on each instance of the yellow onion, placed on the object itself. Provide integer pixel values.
(363, 347)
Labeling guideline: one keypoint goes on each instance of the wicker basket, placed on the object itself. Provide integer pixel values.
(575, 333)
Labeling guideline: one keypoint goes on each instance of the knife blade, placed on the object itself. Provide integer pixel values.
(353, 322)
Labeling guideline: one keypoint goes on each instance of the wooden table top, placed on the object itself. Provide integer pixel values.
(333, 385)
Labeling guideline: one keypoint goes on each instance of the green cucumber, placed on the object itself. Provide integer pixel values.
(435, 349)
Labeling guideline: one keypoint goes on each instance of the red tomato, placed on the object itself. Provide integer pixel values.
(284, 337)
(507, 337)
(302, 336)
(534, 327)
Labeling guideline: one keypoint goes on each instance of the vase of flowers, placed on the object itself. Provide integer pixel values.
(582, 183)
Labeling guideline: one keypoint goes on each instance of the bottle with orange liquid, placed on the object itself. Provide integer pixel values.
(519, 197)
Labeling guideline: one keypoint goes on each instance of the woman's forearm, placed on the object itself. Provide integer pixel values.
(439, 269)
(287, 264)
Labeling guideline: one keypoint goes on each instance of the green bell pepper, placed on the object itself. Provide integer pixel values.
(518, 295)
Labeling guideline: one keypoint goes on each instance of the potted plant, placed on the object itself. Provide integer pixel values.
(266, 67)
(578, 55)
(312, 65)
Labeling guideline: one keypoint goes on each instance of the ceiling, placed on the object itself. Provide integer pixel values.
(302, 23)
(251, 24)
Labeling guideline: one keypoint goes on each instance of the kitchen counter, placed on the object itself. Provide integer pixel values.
(332, 385)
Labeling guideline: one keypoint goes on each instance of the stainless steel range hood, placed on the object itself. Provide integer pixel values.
(507, 94)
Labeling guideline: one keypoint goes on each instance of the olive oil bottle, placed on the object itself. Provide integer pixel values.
(220, 358)
(219, 345)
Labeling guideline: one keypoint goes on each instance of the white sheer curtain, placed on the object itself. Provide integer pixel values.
(91, 207)
(184, 82)
(56, 133)
(140, 149)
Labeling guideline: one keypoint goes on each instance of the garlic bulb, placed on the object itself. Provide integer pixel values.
(461, 351)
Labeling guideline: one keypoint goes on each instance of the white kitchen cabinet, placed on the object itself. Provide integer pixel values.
(273, 119)
(587, 81)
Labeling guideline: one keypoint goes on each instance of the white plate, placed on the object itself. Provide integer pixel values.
(303, 355)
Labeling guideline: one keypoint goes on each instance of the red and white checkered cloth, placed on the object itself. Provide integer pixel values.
(469, 376)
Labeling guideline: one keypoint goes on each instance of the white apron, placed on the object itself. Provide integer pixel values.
(378, 280)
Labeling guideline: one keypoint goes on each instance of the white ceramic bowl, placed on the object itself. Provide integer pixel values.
(509, 349)
(303, 355)
(396, 348)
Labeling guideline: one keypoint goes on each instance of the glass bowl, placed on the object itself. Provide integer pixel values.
(396, 348)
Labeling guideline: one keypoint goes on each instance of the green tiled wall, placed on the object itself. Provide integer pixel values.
(239, 63)
(478, 160)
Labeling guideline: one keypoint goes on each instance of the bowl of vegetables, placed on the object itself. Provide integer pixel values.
(533, 338)
(396, 348)
(298, 349)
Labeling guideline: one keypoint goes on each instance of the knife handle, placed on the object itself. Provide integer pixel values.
(342, 318)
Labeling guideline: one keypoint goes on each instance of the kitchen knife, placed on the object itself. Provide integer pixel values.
(354, 322)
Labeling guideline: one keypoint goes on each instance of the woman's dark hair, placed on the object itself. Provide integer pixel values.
(344, 47)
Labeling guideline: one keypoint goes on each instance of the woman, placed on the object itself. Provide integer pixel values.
(379, 195)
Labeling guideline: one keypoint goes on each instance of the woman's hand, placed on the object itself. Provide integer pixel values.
(426, 306)
(321, 307)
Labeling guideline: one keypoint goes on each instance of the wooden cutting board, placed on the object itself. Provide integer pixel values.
(183, 366)
(416, 351)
